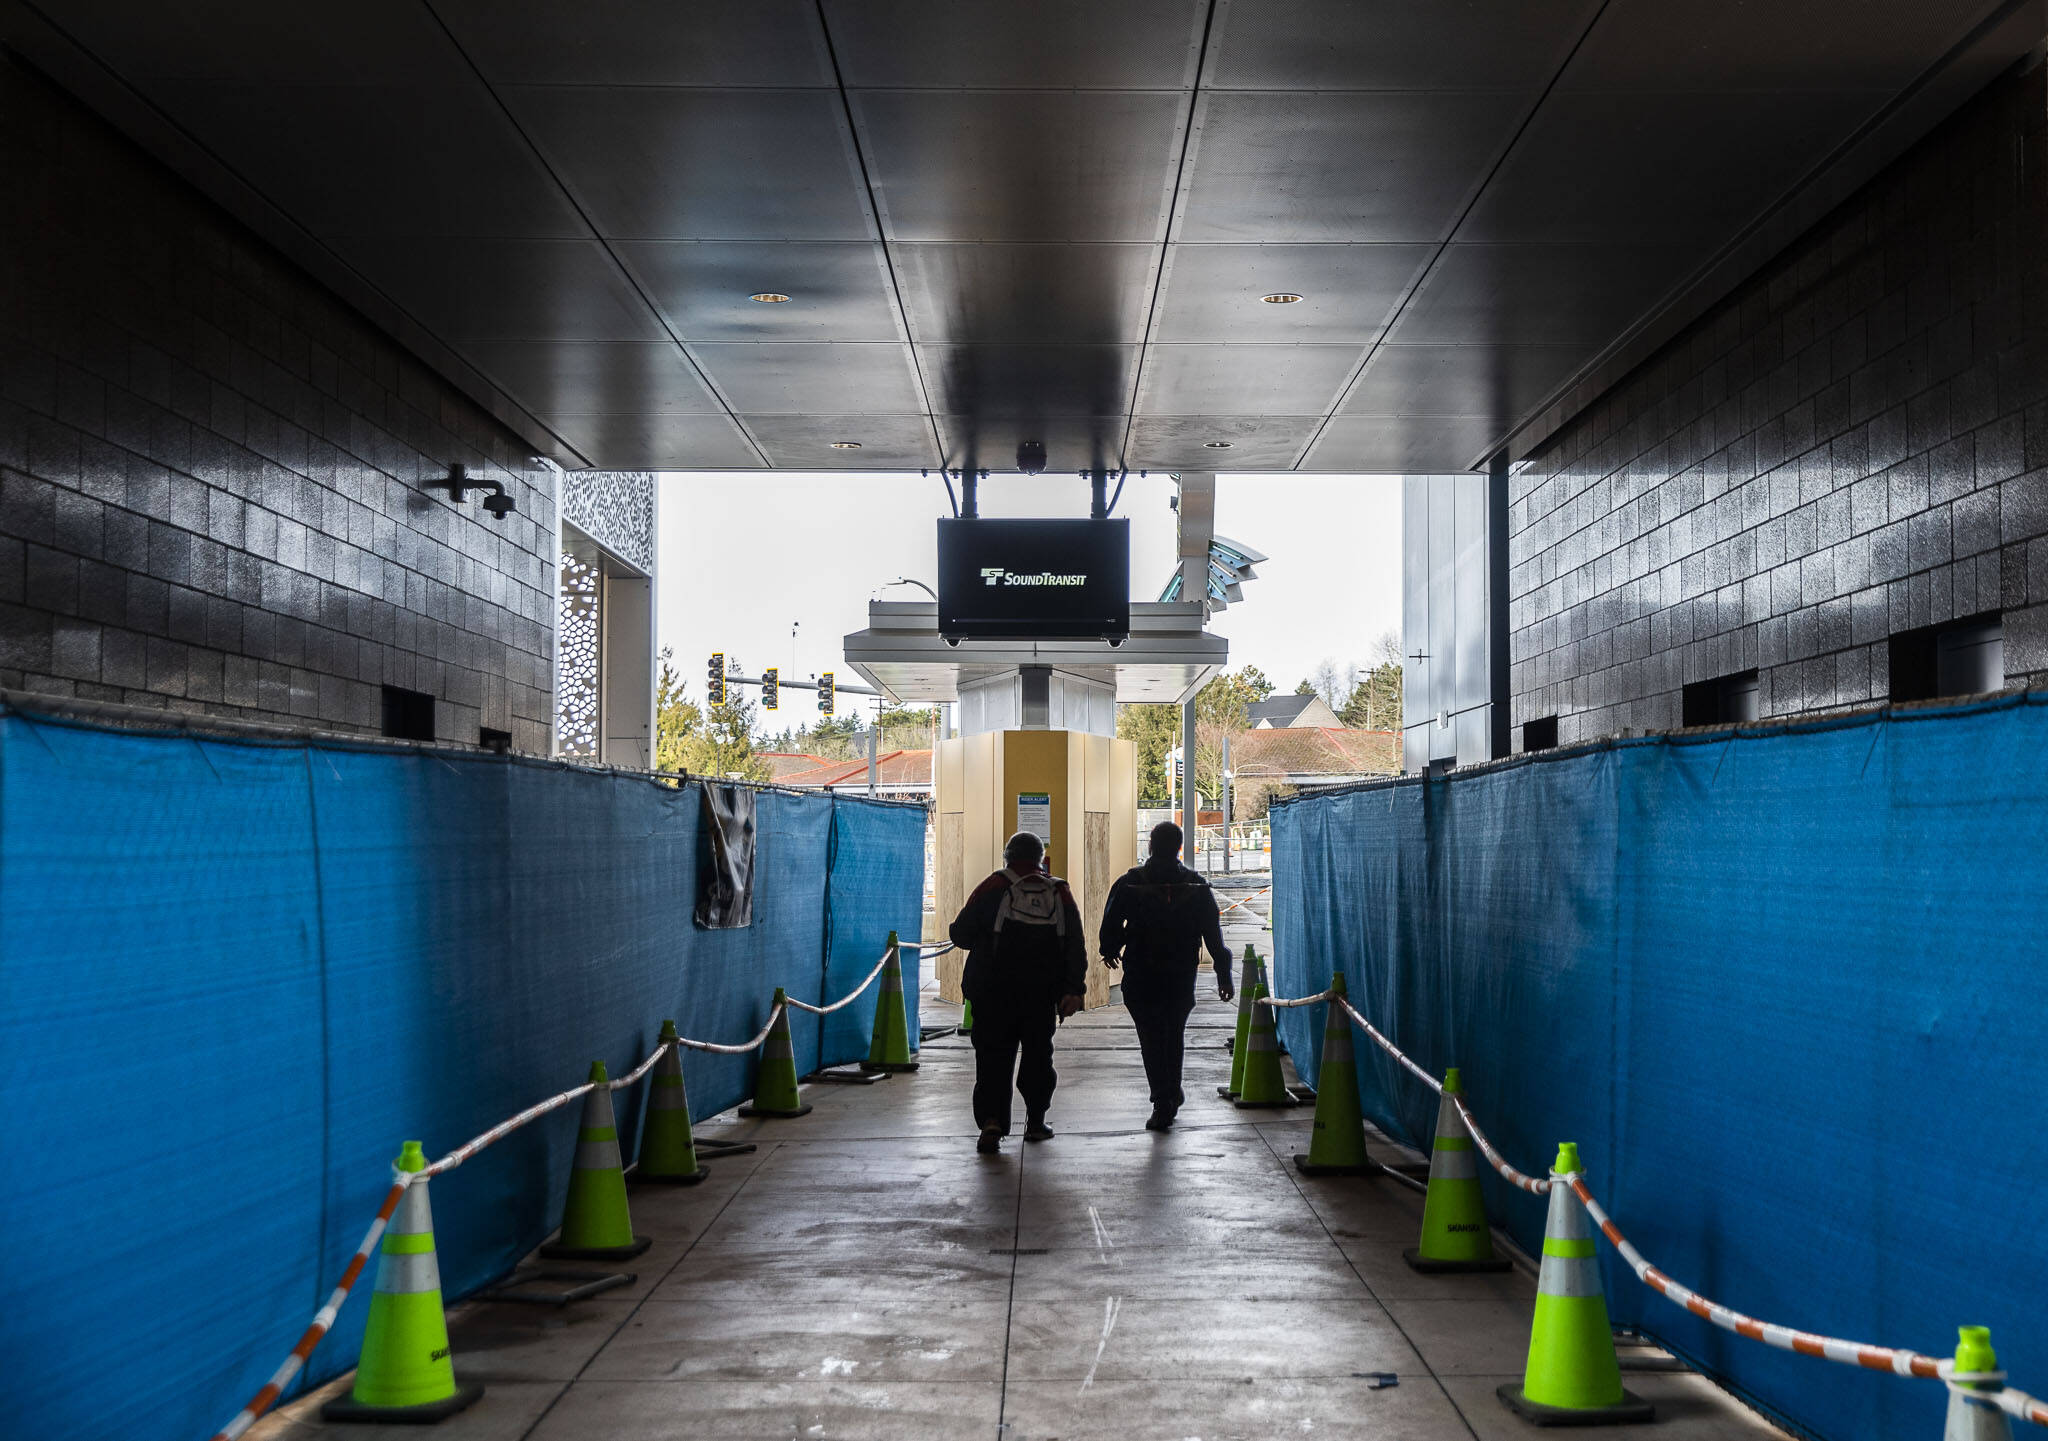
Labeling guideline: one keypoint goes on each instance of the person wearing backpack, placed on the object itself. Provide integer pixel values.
(1158, 918)
(1026, 971)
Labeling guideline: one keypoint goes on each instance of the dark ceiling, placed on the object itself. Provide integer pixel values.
(1001, 220)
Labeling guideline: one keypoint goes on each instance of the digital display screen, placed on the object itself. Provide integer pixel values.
(1034, 579)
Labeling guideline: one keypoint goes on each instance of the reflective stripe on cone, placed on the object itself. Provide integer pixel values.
(1455, 1235)
(405, 1372)
(1572, 1377)
(775, 1084)
(668, 1149)
(597, 1224)
(1337, 1143)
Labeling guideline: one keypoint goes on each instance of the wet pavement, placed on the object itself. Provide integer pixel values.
(866, 1275)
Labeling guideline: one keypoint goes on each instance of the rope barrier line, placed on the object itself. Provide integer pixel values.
(1806, 1343)
(1318, 998)
(1535, 1185)
(1389, 1047)
(1245, 901)
(323, 1319)
(850, 997)
(1785, 1338)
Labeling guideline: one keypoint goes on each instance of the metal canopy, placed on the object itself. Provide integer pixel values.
(1029, 219)
(1167, 658)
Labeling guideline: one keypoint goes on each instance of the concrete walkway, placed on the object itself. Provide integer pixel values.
(865, 1274)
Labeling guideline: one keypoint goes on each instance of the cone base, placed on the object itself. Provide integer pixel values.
(690, 1178)
(1315, 1168)
(1226, 1093)
(866, 1076)
(892, 1067)
(556, 1251)
(750, 1109)
(1432, 1266)
(347, 1408)
(1284, 1101)
(1630, 1410)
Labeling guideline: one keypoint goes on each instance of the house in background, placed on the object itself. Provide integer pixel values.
(1303, 757)
(901, 774)
(1287, 712)
(788, 763)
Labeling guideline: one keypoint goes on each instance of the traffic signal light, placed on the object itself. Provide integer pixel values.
(714, 678)
(771, 685)
(825, 693)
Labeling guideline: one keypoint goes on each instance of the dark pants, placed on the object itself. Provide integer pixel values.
(999, 1032)
(1159, 1006)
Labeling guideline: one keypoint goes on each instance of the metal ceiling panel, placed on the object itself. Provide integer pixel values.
(716, 44)
(1014, 44)
(1025, 165)
(1538, 294)
(1526, 193)
(838, 290)
(1393, 44)
(560, 290)
(590, 377)
(1400, 445)
(366, 42)
(1050, 293)
(1354, 167)
(804, 442)
(1784, 45)
(1072, 443)
(1685, 166)
(1252, 442)
(1501, 381)
(844, 378)
(661, 442)
(1212, 292)
(649, 163)
(1245, 379)
(1030, 381)
(378, 160)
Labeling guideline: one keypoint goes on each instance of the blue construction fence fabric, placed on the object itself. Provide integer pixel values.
(234, 976)
(1785, 987)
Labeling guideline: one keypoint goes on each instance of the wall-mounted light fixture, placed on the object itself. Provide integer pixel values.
(458, 485)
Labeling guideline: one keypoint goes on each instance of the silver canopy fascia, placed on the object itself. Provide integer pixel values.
(1168, 657)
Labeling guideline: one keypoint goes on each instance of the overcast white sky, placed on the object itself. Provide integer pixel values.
(743, 555)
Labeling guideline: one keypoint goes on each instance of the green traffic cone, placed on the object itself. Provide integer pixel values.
(966, 1018)
(1455, 1236)
(405, 1373)
(1254, 974)
(668, 1150)
(1264, 1087)
(596, 1223)
(1972, 1416)
(890, 1048)
(1337, 1144)
(775, 1089)
(1572, 1377)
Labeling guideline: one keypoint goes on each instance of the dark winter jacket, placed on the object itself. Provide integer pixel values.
(1016, 957)
(1159, 917)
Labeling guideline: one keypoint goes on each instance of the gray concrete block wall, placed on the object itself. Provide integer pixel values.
(1852, 444)
(210, 469)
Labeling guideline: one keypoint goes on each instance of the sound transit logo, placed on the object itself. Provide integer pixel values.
(997, 575)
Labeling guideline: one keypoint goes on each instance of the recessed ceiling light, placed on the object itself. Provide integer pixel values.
(846, 445)
(1217, 444)
(770, 297)
(1278, 297)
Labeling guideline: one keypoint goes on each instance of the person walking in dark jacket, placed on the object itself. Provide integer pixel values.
(1159, 917)
(1026, 971)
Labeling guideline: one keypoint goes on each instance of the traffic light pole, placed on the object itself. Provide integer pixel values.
(842, 689)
